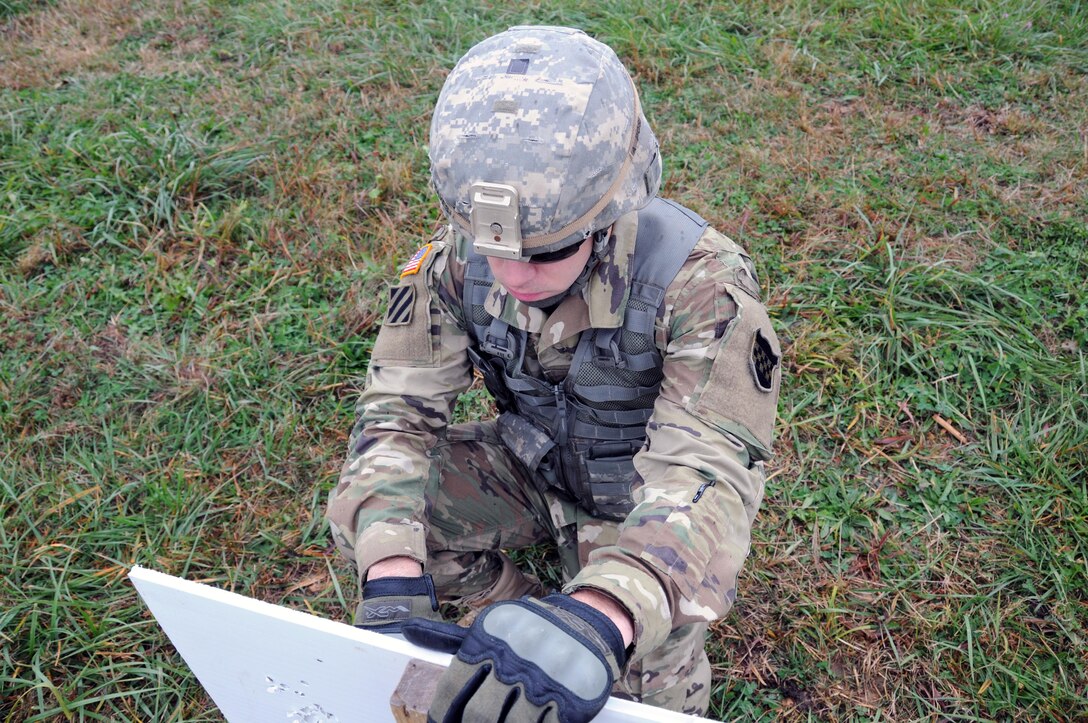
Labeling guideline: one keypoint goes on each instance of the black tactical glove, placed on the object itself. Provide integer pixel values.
(551, 660)
(389, 601)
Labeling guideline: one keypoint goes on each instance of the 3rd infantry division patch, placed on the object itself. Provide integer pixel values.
(401, 301)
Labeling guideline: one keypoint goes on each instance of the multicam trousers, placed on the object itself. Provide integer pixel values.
(487, 502)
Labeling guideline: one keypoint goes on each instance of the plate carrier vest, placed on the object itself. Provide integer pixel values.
(579, 435)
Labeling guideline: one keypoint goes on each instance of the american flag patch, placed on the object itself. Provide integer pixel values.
(401, 301)
(416, 262)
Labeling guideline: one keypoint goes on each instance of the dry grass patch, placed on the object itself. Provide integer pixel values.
(70, 37)
(168, 54)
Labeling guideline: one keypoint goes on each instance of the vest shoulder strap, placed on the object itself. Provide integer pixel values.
(667, 232)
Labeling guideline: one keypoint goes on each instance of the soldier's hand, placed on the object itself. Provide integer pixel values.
(551, 660)
(389, 601)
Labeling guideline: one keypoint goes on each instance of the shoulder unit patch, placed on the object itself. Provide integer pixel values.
(401, 301)
(764, 361)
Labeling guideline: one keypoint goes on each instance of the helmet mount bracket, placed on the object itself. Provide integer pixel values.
(496, 220)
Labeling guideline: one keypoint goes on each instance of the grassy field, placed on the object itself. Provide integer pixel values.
(201, 201)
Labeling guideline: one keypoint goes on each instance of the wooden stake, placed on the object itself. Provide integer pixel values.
(415, 691)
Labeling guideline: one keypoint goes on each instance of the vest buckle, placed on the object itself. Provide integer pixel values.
(497, 347)
(611, 356)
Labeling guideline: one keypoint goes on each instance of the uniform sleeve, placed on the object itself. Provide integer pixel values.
(417, 370)
(679, 552)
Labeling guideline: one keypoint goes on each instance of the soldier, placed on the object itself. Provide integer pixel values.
(636, 374)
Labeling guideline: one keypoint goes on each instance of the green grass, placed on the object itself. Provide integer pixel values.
(199, 204)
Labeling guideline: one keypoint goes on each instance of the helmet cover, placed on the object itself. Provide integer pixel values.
(553, 115)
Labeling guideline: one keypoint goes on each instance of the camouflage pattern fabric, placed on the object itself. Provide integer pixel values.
(673, 563)
(553, 113)
(489, 502)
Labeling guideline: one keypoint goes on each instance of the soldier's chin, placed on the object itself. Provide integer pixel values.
(540, 301)
(529, 297)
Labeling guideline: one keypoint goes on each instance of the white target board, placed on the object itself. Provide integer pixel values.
(262, 663)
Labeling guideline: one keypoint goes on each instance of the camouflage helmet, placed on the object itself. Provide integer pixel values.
(538, 140)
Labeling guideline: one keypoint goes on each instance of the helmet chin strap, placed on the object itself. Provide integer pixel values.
(601, 241)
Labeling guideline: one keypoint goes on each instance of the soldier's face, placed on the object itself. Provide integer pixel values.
(535, 281)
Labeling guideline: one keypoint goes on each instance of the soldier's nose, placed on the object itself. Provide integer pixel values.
(511, 272)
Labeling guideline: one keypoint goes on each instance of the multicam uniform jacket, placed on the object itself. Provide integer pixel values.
(698, 479)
